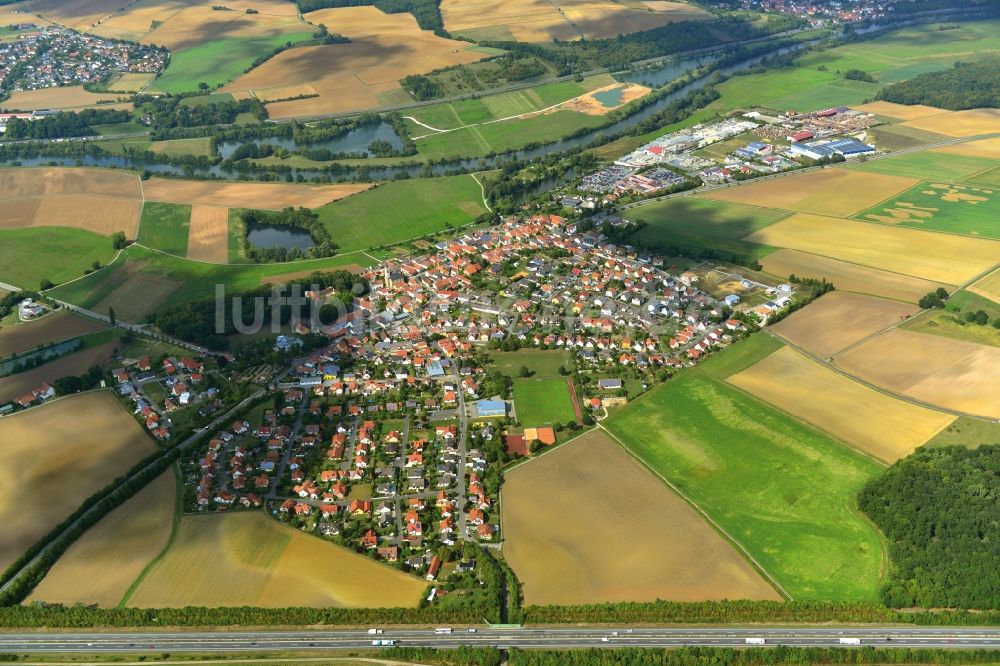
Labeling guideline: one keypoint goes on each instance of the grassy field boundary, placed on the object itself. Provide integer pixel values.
(174, 529)
(714, 525)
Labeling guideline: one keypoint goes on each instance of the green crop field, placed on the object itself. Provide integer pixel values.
(989, 178)
(401, 210)
(217, 62)
(198, 146)
(28, 256)
(701, 217)
(960, 209)
(541, 402)
(785, 492)
(164, 226)
(967, 431)
(741, 356)
(927, 165)
(544, 363)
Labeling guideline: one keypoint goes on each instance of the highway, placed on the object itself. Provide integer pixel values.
(526, 637)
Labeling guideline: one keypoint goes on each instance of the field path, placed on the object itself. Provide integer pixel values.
(716, 526)
(575, 400)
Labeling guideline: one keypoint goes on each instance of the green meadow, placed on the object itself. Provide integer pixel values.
(164, 226)
(543, 363)
(59, 254)
(541, 402)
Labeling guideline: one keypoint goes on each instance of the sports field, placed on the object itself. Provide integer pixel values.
(543, 363)
(401, 210)
(384, 48)
(784, 491)
(931, 256)
(840, 319)
(696, 216)
(28, 256)
(106, 560)
(77, 444)
(248, 559)
(847, 276)
(269, 196)
(542, 402)
(164, 227)
(64, 98)
(969, 210)
(17, 336)
(881, 426)
(607, 551)
(819, 192)
(940, 371)
(208, 237)
(538, 21)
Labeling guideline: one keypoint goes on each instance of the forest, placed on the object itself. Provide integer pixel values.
(64, 124)
(966, 85)
(171, 112)
(940, 510)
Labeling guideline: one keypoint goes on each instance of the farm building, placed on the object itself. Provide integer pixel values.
(845, 147)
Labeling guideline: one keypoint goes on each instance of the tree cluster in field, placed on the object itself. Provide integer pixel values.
(964, 86)
(940, 509)
(64, 124)
(170, 111)
(297, 218)
(859, 75)
(195, 321)
(91, 379)
(427, 12)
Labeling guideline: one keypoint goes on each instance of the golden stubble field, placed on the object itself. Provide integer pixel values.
(840, 319)
(185, 25)
(848, 277)
(940, 371)
(271, 196)
(586, 523)
(384, 48)
(932, 256)
(821, 192)
(248, 559)
(903, 112)
(79, 14)
(57, 455)
(543, 21)
(884, 427)
(989, 286)
(959, 123)
(988, 148)
(208, 234)
(16, 336)
(69, 98)
(101, 566)
(97, 200)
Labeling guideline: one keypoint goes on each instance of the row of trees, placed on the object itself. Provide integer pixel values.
(64, 124)
(939, 509)
(964, 86)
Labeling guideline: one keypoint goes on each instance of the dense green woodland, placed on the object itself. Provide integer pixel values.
(940, 509)
(965, 86)
(64, 124)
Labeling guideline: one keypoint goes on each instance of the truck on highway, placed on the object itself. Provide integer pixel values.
(756, 641)
(443, 630)
(381, 642)
(372, 632)
(850, 641)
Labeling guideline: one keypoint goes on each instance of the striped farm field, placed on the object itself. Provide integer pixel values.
(881, 426)
(937, 370)
(840, 319)
(820, 192)
(101, 566)
(988, 148)
(925, 165)
(77, 444)
(671, 552)
(208, 234)
(901, 112)
(249, 559)
(989, 286)
(960, 123)
(848, 277)
(932, 256)
(270, 196)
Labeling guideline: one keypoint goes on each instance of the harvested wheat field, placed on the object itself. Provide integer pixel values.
(208, 234)
(614, 96)
(839, 319)
(195, 25)
(16, 337)
(48, 181)
(384, 48)
(821, 192)
(848, 277)
(933, 256)
(543, 21)
(102, 215)
(69, 98)
(271, 196)
(881, 426)
(138, 18)
(77, 363)
(940, 371)
(248, 559)
(78, 445)
(988, 148)
(989, 286)
(581, 528)
(108, 558)
(902, 112)
(79, 14)
(132, 82)
(960, 123)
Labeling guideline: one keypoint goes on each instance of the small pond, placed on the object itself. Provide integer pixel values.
(355, 141)
(268, 236)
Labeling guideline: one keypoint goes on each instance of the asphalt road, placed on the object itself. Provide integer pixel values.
(529, 637)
